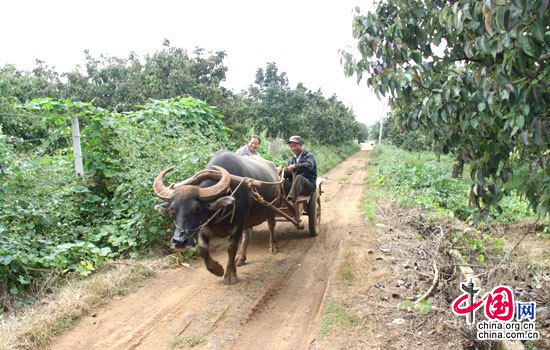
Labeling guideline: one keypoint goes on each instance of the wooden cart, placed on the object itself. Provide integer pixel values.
(293, 211)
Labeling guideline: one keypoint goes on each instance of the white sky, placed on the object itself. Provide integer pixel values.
(302, 37)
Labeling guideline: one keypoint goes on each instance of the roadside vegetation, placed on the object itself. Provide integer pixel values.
(136, 118)
(420, 179)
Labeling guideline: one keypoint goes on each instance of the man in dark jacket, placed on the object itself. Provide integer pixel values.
(302, 165)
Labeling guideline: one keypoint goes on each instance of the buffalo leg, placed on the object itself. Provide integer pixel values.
(241, 253)
(231, 270)
(273, 245)
(211, 264)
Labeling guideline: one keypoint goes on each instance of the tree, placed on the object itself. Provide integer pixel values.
(284, 111)
(121, 83)
(474, 76)
(362, 132)
(411, 140)
(276, 113)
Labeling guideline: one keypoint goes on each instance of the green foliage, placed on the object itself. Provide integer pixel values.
(118, 84)
(334, 318)
(424, 306)
(191, 341)
(545, 233)
(420, 180)
(51, 220)
(369, 208)
(22, 86)
(411, 140)
(473, 76)
(478, 245)
(283, 111)
(346, 274)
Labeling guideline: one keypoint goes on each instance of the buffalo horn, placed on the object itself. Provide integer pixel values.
(208, 193)
(162, 191)
(198, 177)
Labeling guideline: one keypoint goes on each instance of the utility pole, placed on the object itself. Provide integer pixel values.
(79, 168)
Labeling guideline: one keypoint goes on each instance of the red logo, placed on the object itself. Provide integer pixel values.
(499, 303)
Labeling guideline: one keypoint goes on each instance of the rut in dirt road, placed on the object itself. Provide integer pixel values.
(290, 319)
(277, 303)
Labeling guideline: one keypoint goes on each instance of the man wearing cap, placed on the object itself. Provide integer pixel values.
(302, 165)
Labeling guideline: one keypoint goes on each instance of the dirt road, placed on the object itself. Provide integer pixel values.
(277, 303)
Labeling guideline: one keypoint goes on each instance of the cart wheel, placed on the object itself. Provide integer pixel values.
(314, 214)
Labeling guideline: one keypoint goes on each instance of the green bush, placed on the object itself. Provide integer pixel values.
(421, 180)
(52, 220)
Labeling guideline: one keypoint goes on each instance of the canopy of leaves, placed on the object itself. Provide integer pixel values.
(474, 75)
(283, 111)
(410, 140)
(119, 84)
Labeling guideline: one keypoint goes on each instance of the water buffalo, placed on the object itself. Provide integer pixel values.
(210, 195)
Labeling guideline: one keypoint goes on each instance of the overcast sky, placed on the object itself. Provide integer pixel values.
(302, 37)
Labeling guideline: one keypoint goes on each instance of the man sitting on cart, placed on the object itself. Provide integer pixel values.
(250, 149)
(302, 166)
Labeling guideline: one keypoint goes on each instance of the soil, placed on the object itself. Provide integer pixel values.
(280, 300)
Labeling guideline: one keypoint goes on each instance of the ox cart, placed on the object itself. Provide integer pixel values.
(232, 203)
(284, 209)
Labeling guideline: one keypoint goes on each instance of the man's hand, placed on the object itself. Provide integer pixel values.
(289, 168)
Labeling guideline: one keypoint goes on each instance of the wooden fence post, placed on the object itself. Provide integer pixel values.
(79, 168)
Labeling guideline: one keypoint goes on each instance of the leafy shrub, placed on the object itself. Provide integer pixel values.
(420, 180)
(52, 220)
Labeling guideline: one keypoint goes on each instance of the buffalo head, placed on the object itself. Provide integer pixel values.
(191, 205)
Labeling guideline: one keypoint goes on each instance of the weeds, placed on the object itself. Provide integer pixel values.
(191, 341)
(420, 180)
(346, 274)
(335, 318)
(351, 170)
(342, 180)
(425, 306)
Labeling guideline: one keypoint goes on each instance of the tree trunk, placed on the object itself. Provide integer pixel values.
(459, 166)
